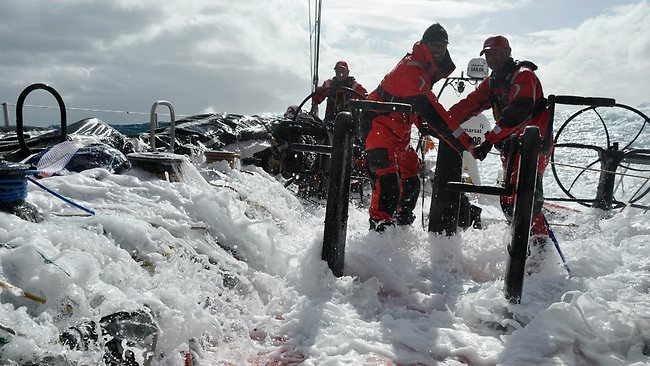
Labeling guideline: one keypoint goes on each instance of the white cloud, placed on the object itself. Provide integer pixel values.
(608, 55)
(253, 56)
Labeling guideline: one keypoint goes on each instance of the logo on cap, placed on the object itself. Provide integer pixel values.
(495, 42)
(341, 64)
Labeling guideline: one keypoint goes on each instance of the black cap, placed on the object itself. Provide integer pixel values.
(435, 33)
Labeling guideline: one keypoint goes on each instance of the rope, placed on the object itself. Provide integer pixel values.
(600, 170)
(17, 291)
(590, 169)
(95, 110)
(603, 171)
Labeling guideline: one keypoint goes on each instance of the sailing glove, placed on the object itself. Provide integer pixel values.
(481, 151)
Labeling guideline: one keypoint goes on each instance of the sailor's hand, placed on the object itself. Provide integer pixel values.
(480, 152)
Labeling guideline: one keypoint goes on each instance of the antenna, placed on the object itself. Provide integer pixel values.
(316, 46)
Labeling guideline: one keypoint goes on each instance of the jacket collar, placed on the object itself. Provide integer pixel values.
(422, 54)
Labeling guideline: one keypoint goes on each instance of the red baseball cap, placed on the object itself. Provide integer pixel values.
(495, 42)
(342, 64)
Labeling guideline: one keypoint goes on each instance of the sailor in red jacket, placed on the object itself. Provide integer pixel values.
(337, 99)
(515, 95)
(392, 162)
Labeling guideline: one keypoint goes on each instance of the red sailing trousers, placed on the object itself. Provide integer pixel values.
(393, 166)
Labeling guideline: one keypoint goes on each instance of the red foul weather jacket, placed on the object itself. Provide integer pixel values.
(337, 99)
(410, 82)
(515, 96)
(517, 101)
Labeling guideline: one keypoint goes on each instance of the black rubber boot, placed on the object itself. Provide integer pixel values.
(404, 218)
(380, 225)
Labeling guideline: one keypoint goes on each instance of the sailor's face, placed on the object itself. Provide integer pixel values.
(438, 50)
(341, 73)
(497, 57)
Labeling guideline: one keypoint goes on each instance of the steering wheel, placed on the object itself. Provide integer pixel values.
(585, 139)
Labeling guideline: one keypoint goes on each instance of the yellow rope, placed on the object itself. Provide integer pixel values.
(22, 292)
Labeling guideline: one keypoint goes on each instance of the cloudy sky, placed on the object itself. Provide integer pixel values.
(252, 56)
